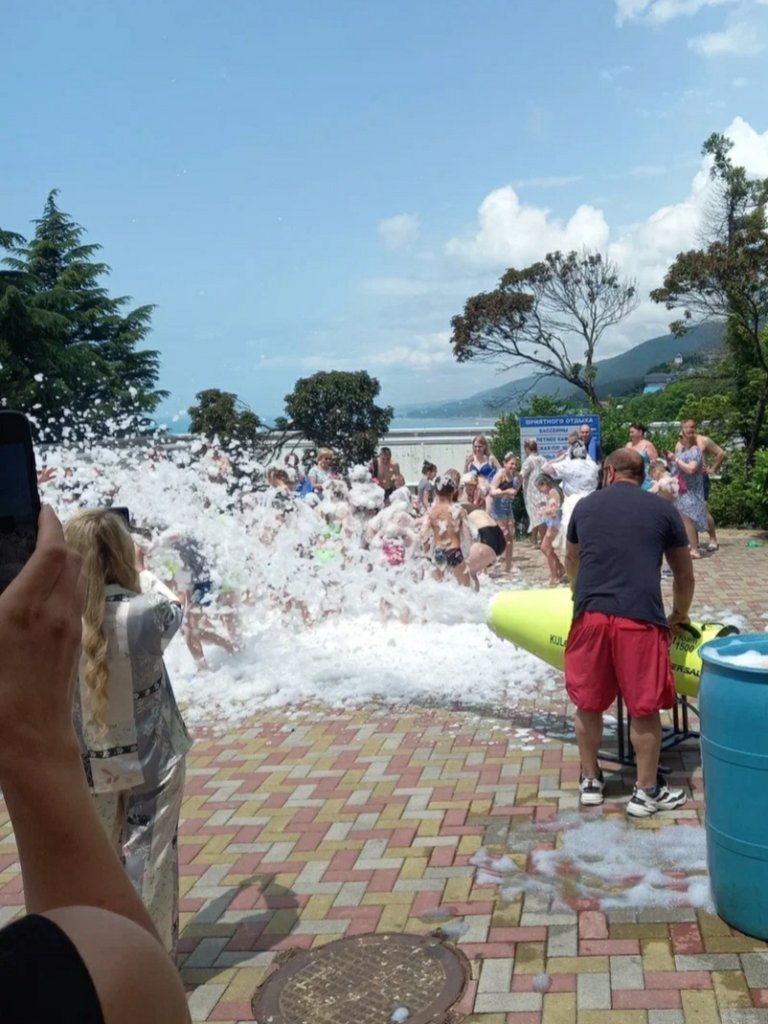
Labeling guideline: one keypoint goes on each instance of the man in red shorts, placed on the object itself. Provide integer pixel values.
(619, 640)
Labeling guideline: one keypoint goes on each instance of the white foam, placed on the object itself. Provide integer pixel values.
(613, 862)
(747, 659)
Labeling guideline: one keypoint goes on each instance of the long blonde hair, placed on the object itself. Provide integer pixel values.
(108, 555)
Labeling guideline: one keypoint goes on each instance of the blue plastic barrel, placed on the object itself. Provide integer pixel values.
(733, 703)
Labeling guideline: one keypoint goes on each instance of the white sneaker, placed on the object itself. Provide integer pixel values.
(591, 790)
(643, 804)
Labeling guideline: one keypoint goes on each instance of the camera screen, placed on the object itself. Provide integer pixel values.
(16, 507)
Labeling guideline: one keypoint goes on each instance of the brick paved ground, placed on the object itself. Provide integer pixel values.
(308, 825)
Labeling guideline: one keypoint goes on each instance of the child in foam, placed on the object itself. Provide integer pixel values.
(446, 527)
(553, 517)
(662, 481)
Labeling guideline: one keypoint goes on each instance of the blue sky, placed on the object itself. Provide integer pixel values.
(320, 185)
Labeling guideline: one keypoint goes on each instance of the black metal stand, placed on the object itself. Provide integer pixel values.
(671, 735)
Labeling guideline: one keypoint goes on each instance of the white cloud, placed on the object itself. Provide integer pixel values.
(551, 181)
(424, 350)
(741, 83)
(739, 39)
(513, 234)
(661, 11)
(400, 231)
(647, 171)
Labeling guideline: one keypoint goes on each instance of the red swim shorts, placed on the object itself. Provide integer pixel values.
(606, 655)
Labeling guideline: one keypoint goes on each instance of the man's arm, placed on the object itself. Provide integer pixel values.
(683, 583)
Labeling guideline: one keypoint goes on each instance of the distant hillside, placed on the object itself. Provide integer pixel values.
(619, 375)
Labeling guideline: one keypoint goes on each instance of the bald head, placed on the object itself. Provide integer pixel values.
(627, 464)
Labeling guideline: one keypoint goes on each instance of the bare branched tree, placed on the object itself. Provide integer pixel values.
(538, 316)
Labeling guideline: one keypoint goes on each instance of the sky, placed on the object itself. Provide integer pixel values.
(302, 185)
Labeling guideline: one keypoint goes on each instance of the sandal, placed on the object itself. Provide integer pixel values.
(713, 547)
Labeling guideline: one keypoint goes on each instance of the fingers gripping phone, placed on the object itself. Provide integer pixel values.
(19, 498)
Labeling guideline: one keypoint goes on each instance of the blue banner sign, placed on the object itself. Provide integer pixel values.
(551, 432)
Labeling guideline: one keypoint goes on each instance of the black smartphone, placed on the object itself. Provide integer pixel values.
(122, 511)
(19, 497)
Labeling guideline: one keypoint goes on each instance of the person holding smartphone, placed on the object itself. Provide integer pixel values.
(132, 735)
(87, 951)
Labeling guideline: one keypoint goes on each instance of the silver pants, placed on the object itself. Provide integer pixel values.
(144, 829)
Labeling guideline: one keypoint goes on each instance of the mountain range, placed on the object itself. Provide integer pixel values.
(619, 375)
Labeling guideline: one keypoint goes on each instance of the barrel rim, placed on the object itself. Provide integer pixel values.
(753, 641)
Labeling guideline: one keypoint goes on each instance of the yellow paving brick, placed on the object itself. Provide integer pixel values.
(219, 843)
(216, 858)
(506, 915)
(526, 792)
(379, 899)
(244, 984)
(638, 931)
(457, 889)
(529, 957)
(207, 975)
(610, 1016)
(575, 964)
(210, 931)
(485, 1018)
(323, 940)
(331, 811)
(317, 907)
(731, 990)
(469, 844)
(733, 944)
(281, 923)
(559, 1008)
(466, 786)
(700, 1008)
(391, 812)
(480, 807)
(413, 868)
(429, 827)
(393, 918)
(657, 955)
(711, 924)
(185, 883)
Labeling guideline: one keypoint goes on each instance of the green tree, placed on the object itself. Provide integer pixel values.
(221, 414)
(337, 409)
(68, 349)
(540, 315)
(728, 280)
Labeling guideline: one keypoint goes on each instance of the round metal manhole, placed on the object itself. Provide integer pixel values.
(366, 979)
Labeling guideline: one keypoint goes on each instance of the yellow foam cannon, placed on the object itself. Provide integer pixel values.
(539, 621)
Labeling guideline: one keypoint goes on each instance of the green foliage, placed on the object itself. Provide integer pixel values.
(537, 315)
(68, 349)
(728, 280)
(740, 497)
(221, 414)
(505, 436)
(337, 410)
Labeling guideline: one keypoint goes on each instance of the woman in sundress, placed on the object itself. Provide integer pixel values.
(688, 461)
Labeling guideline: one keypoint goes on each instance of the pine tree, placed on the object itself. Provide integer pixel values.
(68, 349)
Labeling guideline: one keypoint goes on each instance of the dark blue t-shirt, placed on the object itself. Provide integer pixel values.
(622, 532)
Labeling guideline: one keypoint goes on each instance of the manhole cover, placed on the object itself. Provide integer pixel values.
(367, 979)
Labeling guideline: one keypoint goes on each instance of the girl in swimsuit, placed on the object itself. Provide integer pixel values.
(647, 452)
(503, 489)
(446, 525)
(552, 521)
(480, 460)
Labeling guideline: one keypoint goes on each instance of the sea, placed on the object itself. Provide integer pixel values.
(180, 424)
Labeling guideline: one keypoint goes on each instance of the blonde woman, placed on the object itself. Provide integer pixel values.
(480, 460)
(132, 737)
